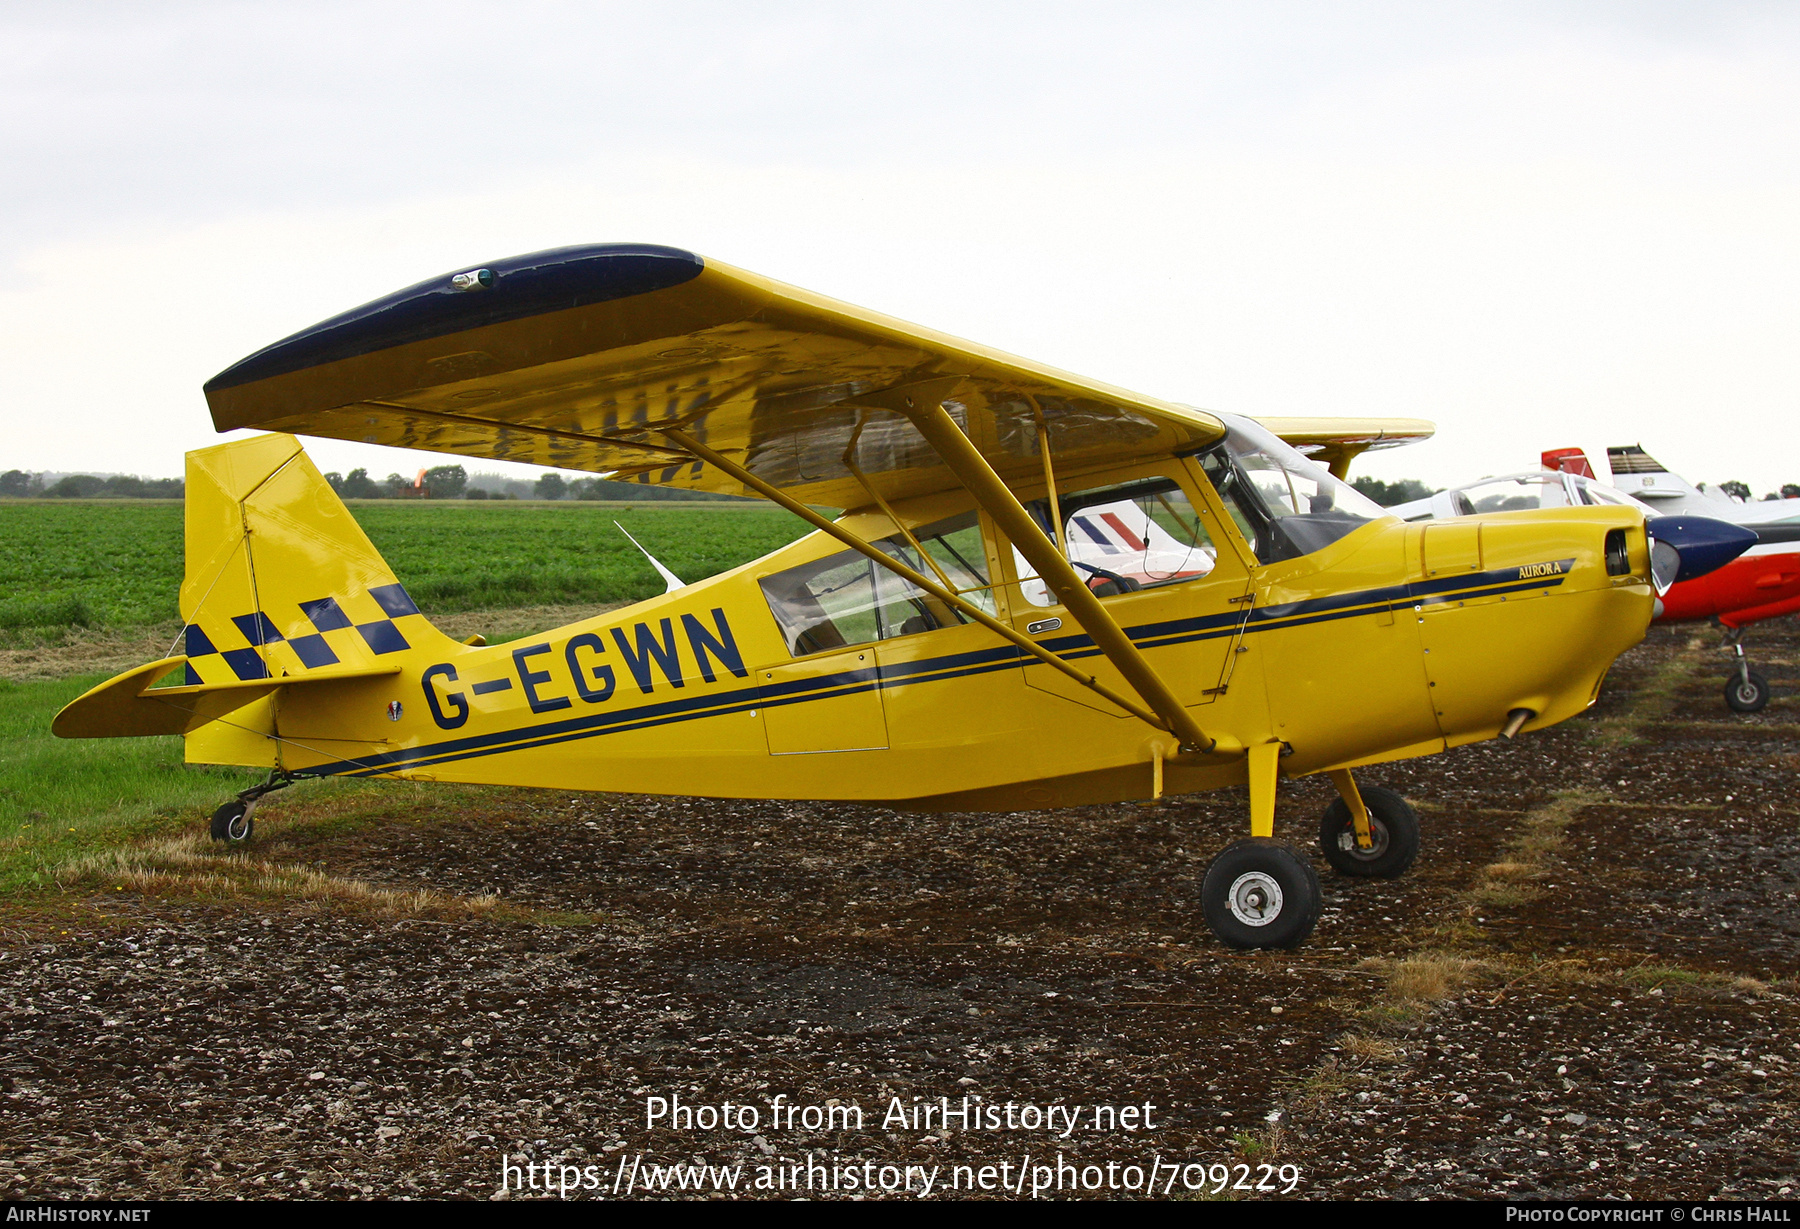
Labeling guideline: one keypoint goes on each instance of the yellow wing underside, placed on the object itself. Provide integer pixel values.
(782, 381)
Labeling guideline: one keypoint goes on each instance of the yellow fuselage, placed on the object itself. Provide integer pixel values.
(1397, 641)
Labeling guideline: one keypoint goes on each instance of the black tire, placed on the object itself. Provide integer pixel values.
(1393, 824)
(1747, 692)
(232, 823)
(1274, 890)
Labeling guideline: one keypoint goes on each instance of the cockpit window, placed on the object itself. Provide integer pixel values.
(846, 599)
(1285, 505)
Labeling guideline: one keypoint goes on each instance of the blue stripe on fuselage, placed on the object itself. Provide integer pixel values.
(940, 669)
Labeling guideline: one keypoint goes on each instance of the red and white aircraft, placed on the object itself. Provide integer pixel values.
(1761, 583)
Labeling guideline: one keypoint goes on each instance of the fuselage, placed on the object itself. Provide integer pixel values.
(810, 674)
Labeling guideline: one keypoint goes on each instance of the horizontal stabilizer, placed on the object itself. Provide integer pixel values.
(131, 706)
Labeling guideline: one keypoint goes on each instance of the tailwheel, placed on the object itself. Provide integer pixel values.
(1746, 691)
(1260, 893)
(232, 823)
(1393, 829)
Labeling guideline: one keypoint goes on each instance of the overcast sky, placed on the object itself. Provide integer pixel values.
(1535, 223)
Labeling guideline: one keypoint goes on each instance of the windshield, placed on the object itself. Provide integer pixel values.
(1516, 493)
(1285, 505)
(1542, 489)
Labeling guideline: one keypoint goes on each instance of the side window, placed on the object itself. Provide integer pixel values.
(1140, 535)
(847, 599)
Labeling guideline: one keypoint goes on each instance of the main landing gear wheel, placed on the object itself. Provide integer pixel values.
(1393, 824)
(1260, 893)
(1746, 691)
(232, 823)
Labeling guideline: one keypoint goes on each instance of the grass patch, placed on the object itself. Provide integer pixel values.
(194, 864)
(1652, 703)
(1428, 977)
(1669, 977)
(65, 565)
(1506, 883)
(127, 814)
(60, 799)
(1503, 895)
(1367, 1049)
(67, 610)
(486, 556)
(282, 862)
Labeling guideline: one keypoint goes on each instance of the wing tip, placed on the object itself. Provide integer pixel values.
(517, 287)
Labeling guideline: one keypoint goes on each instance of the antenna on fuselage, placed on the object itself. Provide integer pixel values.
(673, 581)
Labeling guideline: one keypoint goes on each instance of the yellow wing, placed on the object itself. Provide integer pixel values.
(1335, 442)
(575, 357)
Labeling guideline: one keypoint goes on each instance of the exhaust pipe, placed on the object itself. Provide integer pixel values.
(1515, 721)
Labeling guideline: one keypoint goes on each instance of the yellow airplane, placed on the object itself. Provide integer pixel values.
(1044, 592)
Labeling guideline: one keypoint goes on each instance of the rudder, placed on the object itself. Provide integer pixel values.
(281, 580)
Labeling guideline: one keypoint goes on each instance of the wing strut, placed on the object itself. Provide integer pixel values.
(914, 577)
(927, 413)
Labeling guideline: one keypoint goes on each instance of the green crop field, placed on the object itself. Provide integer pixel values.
(59, 798)
(118, 563)
(114, 563)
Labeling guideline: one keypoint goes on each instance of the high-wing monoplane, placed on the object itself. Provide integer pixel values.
(1044, 591)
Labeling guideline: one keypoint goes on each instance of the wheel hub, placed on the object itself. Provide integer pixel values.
(1254, 898)
(1378, 840)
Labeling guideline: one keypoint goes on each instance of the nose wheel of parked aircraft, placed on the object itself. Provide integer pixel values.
(1746, 691)
(1393, 829)
(1260, 893)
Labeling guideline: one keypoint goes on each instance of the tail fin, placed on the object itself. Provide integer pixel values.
(1636, 472)
(1632, 459)
(281, 580)
(1568, 461)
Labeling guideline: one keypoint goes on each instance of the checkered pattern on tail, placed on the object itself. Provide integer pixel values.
(281, 580)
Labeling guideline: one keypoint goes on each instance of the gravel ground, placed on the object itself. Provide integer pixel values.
(1607, 1012)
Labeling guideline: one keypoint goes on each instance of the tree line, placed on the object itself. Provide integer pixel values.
(453, 482)
(18, 484)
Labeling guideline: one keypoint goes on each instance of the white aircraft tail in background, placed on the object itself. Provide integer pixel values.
(1642, 476)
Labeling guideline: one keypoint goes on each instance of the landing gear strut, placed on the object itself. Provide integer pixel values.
(1746, 691)
(1261, 892)
(1393, 836)
(233, 822)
